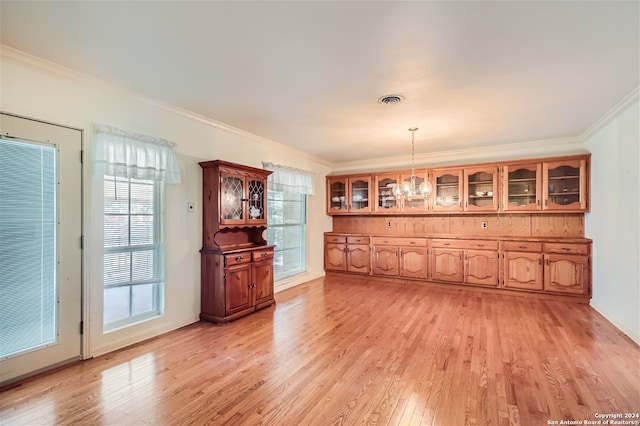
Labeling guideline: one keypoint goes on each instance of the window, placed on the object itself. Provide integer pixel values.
(287, 219)
(133, 258)
(135, 168)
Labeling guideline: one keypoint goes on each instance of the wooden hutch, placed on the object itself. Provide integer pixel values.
(236, 261)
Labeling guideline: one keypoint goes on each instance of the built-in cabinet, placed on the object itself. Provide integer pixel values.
(349, 195)
(236, 260)
(550, 266)
(401, 257)
(352, 254)
(559, 184)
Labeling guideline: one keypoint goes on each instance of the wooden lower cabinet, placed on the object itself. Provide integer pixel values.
(536, 265)
(554, 267)
(447, 265)
(481, 267)
(385, 260)
(413, 262)
(523, 270)
(234, 284)
(400, 257)
(335, 257)
(358, 255)
(565, 273)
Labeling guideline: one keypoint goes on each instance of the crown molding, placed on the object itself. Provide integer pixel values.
(51, 67)
(612, 114)
(504, 152)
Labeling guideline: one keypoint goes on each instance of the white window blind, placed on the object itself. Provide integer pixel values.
(28, 273)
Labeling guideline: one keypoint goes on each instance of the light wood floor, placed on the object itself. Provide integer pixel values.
(347, 350)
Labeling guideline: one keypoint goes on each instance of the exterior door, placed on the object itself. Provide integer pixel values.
(40, 249)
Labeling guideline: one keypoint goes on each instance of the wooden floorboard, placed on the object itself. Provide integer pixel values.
(353, 350)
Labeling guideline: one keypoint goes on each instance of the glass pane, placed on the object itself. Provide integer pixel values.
(256, 197)
(359, 194)
(232, 200)
(338, 195)
(116, 304)
(28, 274)
(142, 265)
(116, 230)
(386, 197)
(447, 191)
(522, 187)
(481, 190)
(564, 185)
(117, 268)
(143, 299)
(142, 230)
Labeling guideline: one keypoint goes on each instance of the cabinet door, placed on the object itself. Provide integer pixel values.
(566, 273)
(335, 257)
(521, 187)
(336, 195)
(262, 277)
(448, 190)
(481, 267)
(237, 288)
(413, 262)
(257, 201)
(523, 270)
(358, 258)
(414, 200)
(565, 185)
(388, 193)
(447, 265)
(385, 260)
(232, 190)
(481, 189)
(359, 194)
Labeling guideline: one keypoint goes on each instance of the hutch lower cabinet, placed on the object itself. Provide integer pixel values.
(236, 261)
(235, 283)
(552, 266)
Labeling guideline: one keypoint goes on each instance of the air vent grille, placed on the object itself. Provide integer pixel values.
(390, 99)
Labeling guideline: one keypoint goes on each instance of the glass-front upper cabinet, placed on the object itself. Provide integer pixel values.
(359, 194)
(336, 195)
(256, 200)
(242, 199)
(414, 200)
(388, 193)
(481, 189)
(565, 185)
(521, 187)
(348, 195)
(447, 188)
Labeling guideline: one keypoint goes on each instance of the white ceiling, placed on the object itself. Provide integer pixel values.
(308, 74)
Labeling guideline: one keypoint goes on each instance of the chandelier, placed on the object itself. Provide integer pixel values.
(410, 190)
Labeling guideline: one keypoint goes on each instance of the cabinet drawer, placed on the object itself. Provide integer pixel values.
(237, 258)
(262, 255)
(465, 244)
(335, 239)
(521, 246)
(400, 241)
(357, 240)
(566, 248)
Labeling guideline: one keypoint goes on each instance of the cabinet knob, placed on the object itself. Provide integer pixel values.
(264, 254)
(522, 247)
(239, 259)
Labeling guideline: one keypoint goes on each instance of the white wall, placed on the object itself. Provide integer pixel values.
(614, 221)
(43, 91)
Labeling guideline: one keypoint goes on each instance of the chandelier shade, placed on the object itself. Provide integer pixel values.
(409, 189)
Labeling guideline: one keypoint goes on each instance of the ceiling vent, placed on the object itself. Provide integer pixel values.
(391, 99)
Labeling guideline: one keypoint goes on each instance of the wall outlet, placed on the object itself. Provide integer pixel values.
(191, 207)
(484, 225)
(389, 224)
